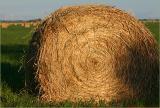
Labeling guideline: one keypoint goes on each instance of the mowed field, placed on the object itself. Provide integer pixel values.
(14, 44)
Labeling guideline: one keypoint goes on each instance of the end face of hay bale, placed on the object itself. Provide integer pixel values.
(94, 52)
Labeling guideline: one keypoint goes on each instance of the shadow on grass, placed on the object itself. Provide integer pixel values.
(9, 69)
(11, 76)
(13, 50)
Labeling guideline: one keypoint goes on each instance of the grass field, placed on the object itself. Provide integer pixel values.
(14, 43)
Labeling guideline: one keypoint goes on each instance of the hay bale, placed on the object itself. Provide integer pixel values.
(93, 52)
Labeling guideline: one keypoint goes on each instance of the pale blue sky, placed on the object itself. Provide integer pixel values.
(30, 9)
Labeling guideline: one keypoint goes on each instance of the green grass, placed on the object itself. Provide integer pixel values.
(16, 35)
(14, 43)
(154, 28)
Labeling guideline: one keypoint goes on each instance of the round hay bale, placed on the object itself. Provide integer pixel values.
(93, 52)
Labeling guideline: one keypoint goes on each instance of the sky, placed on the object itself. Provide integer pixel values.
(33, 9)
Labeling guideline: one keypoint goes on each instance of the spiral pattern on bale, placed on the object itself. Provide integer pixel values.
(93, 52)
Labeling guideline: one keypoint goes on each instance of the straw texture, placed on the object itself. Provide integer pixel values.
(93, 52)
